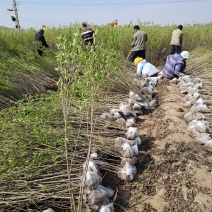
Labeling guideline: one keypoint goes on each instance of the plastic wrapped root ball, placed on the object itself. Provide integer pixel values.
(127, 173)
(97, 195)
(48, 210)
(138, 141)
(129, 151)
(189, 117)
(130, 122)
(132, 133)
(110, 191)
(121, 121)
(117, 115)
(119, 142)
(92, 180)
(107, 116)
(107, 208)
(202, 138)
(199, 116)
(91, 166)
(125, 109)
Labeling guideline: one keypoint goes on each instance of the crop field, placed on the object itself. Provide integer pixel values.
(63, 118)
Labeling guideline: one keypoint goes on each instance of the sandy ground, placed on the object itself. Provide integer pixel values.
(174, 172)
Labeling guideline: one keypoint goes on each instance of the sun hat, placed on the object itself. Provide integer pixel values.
(185, 54)
(137, 60)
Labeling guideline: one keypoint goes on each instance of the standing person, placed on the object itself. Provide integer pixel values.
(138, 44)
(175, 65)
(87, 35)
(40, 42)
(177, 40)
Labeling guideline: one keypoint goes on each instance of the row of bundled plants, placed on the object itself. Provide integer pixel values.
(47, 139)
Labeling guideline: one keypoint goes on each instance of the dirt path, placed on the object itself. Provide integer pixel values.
(174, 172)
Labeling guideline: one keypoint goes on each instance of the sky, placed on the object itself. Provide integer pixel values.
(35, 13)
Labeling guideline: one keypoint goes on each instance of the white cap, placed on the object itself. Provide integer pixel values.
(185, 54)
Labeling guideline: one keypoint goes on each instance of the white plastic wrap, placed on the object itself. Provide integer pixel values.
(96, 195)
(138, 141)
(198, 85)
(192, 90)
(131, 94)
(127, 173)
(152, 104)
(143, 104)
(199, 101)
(121, 121)
(117, 115)
(113, 111)
(110, 191)
(202, 138)
(152, 81)
(201, 108)
(107, 208)
(186, 98)
(198, 116)
(197, 126)
(208, 143)
(185, 78)
(148, 92)
(91, 166)
(125, 109)
(92, 180)
(94, 155)
(107, 116)
(119, 141)
(196, 95)
(188, 117)
(187, 104)
(130, 122)
(127, 151)
(48, 210)
(136, 106)
(191, 128)
(132, 133)
(200, 126)
(173, 81)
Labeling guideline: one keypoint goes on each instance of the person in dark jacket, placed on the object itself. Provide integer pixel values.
(40, 42)
(87, 35)
(175, 65)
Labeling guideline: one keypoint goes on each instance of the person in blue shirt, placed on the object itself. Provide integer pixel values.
(175, 65)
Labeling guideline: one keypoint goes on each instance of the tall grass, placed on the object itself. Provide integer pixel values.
(18, 52)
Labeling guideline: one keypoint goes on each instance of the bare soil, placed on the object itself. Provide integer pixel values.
(174, 172)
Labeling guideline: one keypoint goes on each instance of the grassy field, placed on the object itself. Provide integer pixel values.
(45, 135)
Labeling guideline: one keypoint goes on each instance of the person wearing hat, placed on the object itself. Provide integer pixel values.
(175, 65)
(40, 42)
(87, 35)
(138, 44)
(177, 40)
(145, 68)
